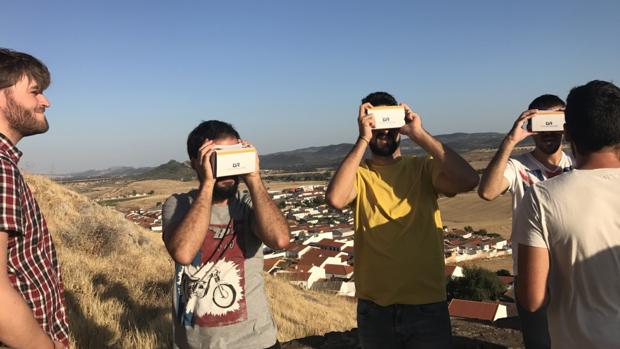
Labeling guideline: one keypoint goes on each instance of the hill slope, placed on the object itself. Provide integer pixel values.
(118, 278)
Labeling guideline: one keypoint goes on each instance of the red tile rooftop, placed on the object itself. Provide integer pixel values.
(506, 280)
(473, 310)
(348, 249)
(330, 243)
(295, 247)
(338, 269)
(449, 270)
(270, 263)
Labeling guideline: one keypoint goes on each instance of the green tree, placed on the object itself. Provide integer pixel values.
(478, 284)
(503, 272)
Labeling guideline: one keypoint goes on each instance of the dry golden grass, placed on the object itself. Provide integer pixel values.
(118, 279)
(494, 264)
(469, 209)
(300, 313)
(117, 276)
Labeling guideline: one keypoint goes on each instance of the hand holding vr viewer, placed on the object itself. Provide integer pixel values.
(233, 160)
(546, 121)
(388, 116)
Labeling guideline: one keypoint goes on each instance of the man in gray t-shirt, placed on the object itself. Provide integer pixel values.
(214, 235)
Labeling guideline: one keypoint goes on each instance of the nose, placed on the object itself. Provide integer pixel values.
(43, 101)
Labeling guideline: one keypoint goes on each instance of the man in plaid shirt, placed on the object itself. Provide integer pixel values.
(32, 311)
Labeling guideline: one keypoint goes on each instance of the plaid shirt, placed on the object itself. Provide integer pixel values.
(32, 264)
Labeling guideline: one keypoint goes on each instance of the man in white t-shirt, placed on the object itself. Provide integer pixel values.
(568, 229)
(517, 174)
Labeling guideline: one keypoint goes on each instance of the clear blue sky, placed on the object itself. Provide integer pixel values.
(132, 78)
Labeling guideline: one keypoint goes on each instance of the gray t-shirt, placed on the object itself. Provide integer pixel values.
(219, 299)
(576, 217)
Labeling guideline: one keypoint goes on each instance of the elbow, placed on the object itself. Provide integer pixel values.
(282, 240)
(529, 302)
(485, 195)
(527, 297)
(181, 257)
(334, 202)
(282, 244)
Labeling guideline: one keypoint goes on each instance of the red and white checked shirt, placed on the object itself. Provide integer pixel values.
(32, 263)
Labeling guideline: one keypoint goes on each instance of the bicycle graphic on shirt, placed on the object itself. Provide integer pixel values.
(224, 294)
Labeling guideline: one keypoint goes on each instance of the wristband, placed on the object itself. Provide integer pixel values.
(364, 139)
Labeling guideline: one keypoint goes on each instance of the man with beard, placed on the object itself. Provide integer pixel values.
(399, 259)
(32, 307)
(517, 174)
(214, 234)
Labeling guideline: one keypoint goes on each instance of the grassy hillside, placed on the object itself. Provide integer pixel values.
(118, 276)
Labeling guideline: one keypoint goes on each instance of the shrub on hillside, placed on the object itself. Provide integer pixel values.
(477, 284)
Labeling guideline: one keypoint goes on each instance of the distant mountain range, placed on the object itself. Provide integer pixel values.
(170, 170)
(331, 155)
(299, 159)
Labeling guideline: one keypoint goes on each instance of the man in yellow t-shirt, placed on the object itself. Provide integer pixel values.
(399, 261)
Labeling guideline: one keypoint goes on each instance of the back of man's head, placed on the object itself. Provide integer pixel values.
(547, 102)
(379, 99)
(15, 65)
(593, 116)
(213, 130)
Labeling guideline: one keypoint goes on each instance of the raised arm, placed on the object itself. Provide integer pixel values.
(183, 240)
(269, 224)
(456, 174)
(18, 327)
(493, 183)
(341, 189)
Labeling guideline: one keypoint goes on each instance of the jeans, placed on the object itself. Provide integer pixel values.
(403, 325)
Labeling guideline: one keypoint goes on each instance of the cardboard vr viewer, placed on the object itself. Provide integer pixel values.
(388, 116)
(232, 160)
(546, 121)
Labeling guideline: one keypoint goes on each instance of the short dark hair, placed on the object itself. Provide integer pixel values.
(593, 116)
(546, 102)
(15, 65)
(212, 129)
(380, 98)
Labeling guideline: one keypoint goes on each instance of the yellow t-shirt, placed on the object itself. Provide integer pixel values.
(399, 256)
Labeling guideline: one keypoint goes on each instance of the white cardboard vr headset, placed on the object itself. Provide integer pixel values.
(388, 116)
(232, 160)
(546, 121)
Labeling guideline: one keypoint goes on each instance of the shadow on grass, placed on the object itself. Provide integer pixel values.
(136, 318)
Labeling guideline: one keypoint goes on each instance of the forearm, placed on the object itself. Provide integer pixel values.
(185, 240)
(453, 167)
(18, 327)
(493, 183)
(270, 224)
(340, 189)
